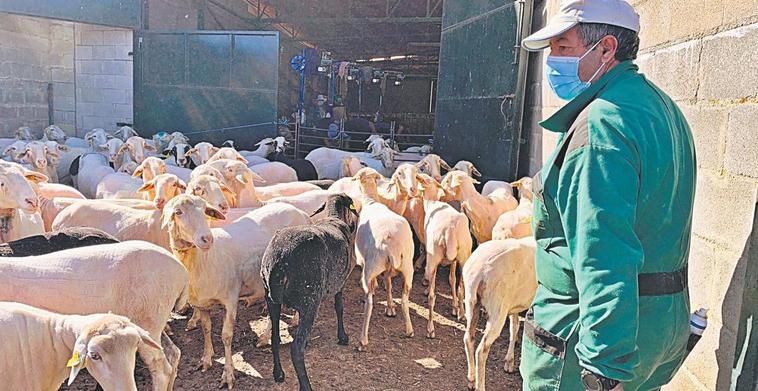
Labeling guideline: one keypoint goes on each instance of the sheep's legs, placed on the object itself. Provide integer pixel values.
(297, 350)
(192, 323)
(159, 366)
(391, 310)
(407, 284)
(274, 311)
(472, 318)
(173, 355)
(342, 338)
(510, 356)
(431, 275)
(205, 324)
(453, 279)
(227, 333)
(369, 287)
(495, 323)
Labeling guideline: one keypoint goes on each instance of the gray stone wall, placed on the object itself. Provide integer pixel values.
(35, 53)
(704, 55)
(104, 91)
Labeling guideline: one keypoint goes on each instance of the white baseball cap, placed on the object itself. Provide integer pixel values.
(572, 12)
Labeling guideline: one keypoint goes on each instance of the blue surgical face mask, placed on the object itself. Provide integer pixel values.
(563, 75)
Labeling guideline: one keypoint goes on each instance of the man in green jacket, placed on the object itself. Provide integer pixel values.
(613, 212)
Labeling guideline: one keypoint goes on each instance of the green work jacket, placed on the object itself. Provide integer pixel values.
(614, 200)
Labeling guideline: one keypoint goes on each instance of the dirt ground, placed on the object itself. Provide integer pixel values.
(391, 363)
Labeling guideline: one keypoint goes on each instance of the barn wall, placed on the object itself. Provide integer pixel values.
(104, 88)
(704, 54)
(35, 53)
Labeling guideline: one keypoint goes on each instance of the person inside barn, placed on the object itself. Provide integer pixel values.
(613, 213)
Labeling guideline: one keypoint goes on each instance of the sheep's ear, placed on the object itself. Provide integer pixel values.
(456, 182)
(227, 191)
(63, 148)
(149, 147)
(475, 171)
(22, 155)
(257, 178)
(319, 210)
(138, 171)
(35, 177)
(181, 185)
(147, 186)
(123, 149)
(445, 165)
(214, 213)
(109, 136)
(191, 151)
(242, 159)
(146, 338)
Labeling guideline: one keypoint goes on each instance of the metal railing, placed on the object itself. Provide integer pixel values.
(308, 138)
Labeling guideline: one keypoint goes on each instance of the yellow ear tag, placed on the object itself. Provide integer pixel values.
(527, 220)
(74, 360)
(352, 207)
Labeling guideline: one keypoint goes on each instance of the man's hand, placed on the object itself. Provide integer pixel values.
(619, 387)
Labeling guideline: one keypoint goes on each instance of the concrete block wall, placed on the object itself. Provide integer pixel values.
(704, 54)
(104, 91)
(35, 53)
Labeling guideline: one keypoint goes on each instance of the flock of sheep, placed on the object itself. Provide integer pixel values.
(105, 236)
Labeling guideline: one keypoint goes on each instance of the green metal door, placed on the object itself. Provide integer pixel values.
(477, 85)
(211, 85)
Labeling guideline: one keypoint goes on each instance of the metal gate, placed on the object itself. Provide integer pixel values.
(477, 116)
(211, 85)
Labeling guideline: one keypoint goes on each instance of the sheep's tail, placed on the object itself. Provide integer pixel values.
(181, 301)
(276, 283)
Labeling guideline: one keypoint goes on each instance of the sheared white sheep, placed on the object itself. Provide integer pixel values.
(383, 244)
(500, 276)
(103, 343)
(467, 167)
(19, 203)
(482, 211)
(88, 170)
(136, 147)
(125, 132)
(334, 163)
(516, 223)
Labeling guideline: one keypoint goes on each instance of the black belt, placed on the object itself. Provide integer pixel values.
(661, 284)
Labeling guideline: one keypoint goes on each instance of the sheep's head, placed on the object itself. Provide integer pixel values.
(267, 146)
(430, 189)
(97, 137)
(186, 218)
(236, 171)
(16, 187)
(432, 165)
(202, 152)
(136, 147)
(208, 170)
(125, 132)
(341, 206)
(179, 152)
(350, 166)
(455, 184)
(55, 133)
(228, 153)
(281, 144)
(54, 151)
(179, 137)
(24, 133)
(367, 179)
(35, 154)
(468, 168)
(406, 179)
(150, 168)
(106, 347)
(128, 168)
(113, 147)
(524, 186)
(163, 188)
(213, 191)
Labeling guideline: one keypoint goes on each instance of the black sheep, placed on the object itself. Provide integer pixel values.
(304, 168)
(55, 241)
(303, 264)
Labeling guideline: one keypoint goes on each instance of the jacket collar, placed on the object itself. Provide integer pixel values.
(562, 120)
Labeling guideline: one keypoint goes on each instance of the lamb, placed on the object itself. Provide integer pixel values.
(300, 267)
(516, 223)
(483, 211)
(431, 165)
(383, 244)
(303, 168)
(55, 241)
(448, 242)
(468, 168)
(224, 263)
(96, 279)
(500, 276)
(105, 343)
